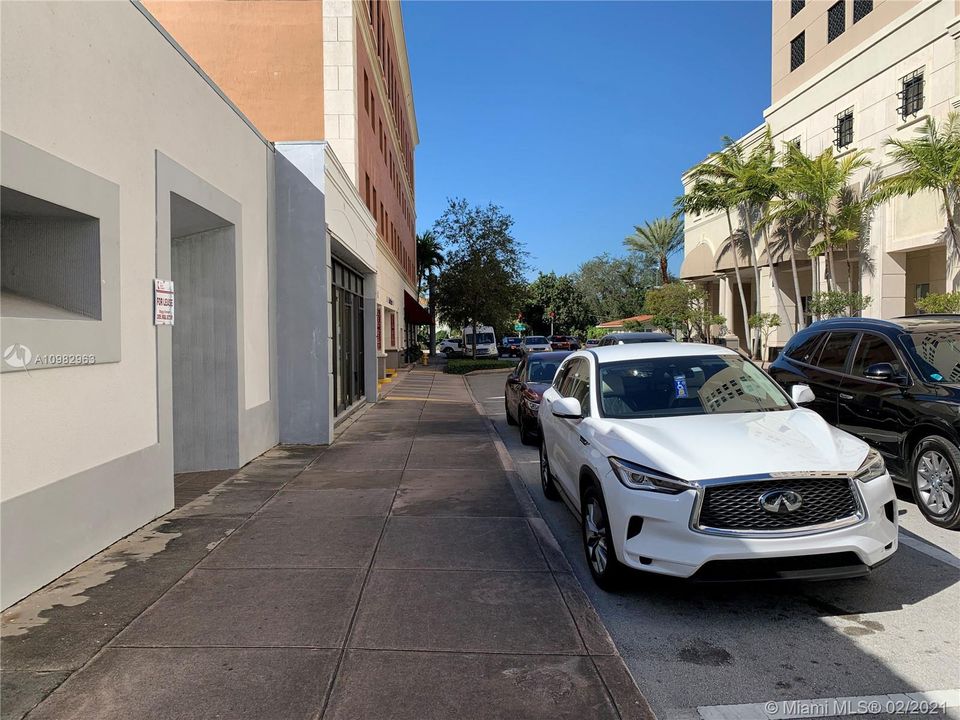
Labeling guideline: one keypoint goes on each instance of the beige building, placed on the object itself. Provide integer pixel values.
(848, 74)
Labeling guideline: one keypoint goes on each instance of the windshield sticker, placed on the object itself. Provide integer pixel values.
(936, 376)
(680, 385)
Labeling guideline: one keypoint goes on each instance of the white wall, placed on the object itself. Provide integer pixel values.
(97, 85)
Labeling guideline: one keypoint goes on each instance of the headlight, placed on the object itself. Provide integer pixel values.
(872, 467)
(637, 477)
(532, 405)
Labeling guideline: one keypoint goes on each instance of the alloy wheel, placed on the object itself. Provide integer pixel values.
(935, 482)
(544, 469)
(595, 534)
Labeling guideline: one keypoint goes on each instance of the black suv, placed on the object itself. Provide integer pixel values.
(896, 385)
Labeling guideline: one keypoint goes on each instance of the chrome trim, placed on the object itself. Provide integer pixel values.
(849, 521)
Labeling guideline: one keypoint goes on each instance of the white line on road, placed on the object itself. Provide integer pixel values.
(498, 397)
(924, 703)
(931, 550)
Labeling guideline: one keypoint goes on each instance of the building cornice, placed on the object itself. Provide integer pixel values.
(396, 20)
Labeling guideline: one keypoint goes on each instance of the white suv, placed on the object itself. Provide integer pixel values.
(688, 460)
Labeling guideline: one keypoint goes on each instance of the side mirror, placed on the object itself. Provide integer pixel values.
(885, 372)
(568, 407)
(802, 394)
(513, 378)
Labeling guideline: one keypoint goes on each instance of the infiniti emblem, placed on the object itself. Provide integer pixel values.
(781, 502)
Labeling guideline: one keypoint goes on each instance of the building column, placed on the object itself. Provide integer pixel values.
(727, 303)
(371, 365)
(890, 295)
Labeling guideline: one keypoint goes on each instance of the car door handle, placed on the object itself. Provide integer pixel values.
(845, 396)
(584, 441)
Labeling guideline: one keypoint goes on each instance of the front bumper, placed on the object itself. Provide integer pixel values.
(665, 541)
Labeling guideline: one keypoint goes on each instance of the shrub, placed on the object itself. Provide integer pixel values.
(837, 303)
(462, 367)
(939, 303)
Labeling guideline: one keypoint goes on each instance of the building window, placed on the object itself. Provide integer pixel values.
(366, 189)
(844, 129)
(796, 6)
(836, 21)
(366, 92)
(797, 50)
(861, 8)
(911, 94)
(796, 142)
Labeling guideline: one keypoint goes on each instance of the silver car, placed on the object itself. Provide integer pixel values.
(535, 343)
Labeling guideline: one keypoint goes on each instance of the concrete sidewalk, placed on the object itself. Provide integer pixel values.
(395, 574)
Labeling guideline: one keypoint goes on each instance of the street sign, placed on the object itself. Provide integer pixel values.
(162, 302)
(519, 327)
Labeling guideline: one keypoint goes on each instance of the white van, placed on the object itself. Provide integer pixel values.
(486, 342)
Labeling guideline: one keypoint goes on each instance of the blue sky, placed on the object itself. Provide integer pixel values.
(578, 117)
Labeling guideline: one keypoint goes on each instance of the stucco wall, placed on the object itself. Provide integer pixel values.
(85, 455)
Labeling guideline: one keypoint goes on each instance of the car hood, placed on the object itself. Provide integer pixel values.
(727, 445)
(537, 389)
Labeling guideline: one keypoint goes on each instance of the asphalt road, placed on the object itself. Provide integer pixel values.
(692, 647)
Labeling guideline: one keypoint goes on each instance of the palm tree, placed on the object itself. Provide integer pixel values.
(818, 184)
(739, 174)
(708, 195)
(429, 258)
(658, 240)
(930, 162)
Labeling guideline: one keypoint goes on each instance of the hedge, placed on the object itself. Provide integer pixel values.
(462, 367)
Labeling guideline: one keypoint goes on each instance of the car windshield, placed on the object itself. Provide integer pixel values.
(542, 372)
(482, 339)
(511, 341)
(936, 354)
(694, 385)
(536, 340)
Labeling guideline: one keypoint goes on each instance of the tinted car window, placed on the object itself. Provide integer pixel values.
(561, 377)
(577, 383)
(541, 371)
(835, 350)
(522, 369)
(871, 350)
(805, 350)
(936, 354)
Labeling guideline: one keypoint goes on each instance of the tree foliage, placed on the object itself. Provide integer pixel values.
(939, 303)
(682, 307)
(482, 281)
(657, 240)
(561, 295)
(613, 288)
(837, 303)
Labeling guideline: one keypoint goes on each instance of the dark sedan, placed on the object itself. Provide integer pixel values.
(524, 388)
(511, 347)
(629, 338)
(896, 385)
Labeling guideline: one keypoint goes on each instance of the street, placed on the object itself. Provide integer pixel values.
(693, 647)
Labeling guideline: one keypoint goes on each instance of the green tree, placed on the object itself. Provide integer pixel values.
(818, 185)
(708, 194)
(765, 323)
(939, 303)
(429, 260)
(682, 307)
(482, 279)
(659, 240)
(930, 162)
(613, 287)
(561, 295)
(837, 303)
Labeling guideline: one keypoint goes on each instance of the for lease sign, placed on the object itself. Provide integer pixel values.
(162, 302)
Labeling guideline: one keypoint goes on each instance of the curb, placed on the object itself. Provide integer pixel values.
(626, 695)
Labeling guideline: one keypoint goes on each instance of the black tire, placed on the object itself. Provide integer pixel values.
(547, 481)
(597, 539)
(506, 409)
(527, 437)
(935, 480)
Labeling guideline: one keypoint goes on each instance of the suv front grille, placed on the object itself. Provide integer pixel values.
(736, 507)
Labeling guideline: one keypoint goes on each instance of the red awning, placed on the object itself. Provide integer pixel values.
(414, 311)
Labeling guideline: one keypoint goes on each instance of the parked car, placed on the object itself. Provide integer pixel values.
(511, 347)
(896, 385)
(451, 347)
(525, 385)
(535, 343)
(559, 342)
(630, 338)
(688, 460)
(485, 342)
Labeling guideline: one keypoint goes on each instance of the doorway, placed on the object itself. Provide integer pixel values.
(205, 371)
(348, 356)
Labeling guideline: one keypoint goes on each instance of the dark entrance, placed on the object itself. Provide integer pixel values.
(347, 337)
